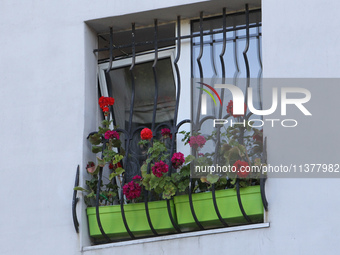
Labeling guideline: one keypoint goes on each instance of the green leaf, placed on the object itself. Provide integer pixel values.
(144, 169)
(154, 182)
(112, 194)
(169, 191)
(101, 162)
(116, 143)
(257, 162)
(120, 170)
(185, 171)
(117, 159)
(91, 195)
(242, 150)
(161, 182)
(212, 178)
(189, 158)
(182, 186)
(80, 189)
(204, 179)
(175, 177)
(113, 175)
(95, 139)
(116, 172)
(143, 142)
(96, 149)
(233, 154)
(146, 181)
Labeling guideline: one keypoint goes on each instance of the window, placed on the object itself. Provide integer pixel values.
(118, 82)
(143, 73)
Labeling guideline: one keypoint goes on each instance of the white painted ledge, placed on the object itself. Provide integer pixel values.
(176, 236)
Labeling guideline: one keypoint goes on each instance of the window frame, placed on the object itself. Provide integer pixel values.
(142, 58)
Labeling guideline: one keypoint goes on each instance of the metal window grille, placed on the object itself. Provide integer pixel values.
(204, 32)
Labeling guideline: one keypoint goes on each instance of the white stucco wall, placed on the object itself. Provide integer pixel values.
(48, 73)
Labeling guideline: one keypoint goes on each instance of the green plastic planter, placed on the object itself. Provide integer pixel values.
(113, 225)
(227, 205)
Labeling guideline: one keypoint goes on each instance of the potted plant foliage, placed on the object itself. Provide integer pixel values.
(154, 181)
(225, 169)
(164, 182)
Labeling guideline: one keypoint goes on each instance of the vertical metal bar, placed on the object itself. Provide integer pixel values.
(129, 138)
(263, 178)
(240, 201)
(258, 45)
(107, 72)
(245, 52)
(155, 75)
(212, 52)
(174, 128)
(132, 77)
(146, 199)
(216, 207)
(237, 71)
(198, 114)
(201, 47)
(242, 129)
(260, 63)
(74, 203)
(200, 71)
(100, 174)
(224, 45)
(104, 145)
(217, 148)
(111, 50)
(192, 207)
(177, 69)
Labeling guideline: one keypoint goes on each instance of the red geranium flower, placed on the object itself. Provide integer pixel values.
(197, 141)
(230, 109)
(177, 160)
(159, 168)
(241, 168)
(111, 135)
(146, 134)
(105, 102)
(259, 136)
(166, 133)
(132, 190)
(112, 166)
(137, 177)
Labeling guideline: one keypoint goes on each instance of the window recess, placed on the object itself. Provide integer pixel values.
(140, 67)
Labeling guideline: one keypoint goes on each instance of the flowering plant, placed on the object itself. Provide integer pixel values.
(239, 151)
(164, 176)
(155, 170)
(105, 141)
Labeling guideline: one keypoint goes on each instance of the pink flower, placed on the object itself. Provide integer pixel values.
(197, 141)
(132, 190)
(177, 160)
(159, 168)
(111, 135)
(166, 133)
(137, 177)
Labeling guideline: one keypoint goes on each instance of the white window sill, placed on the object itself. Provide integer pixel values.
(176, 236)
